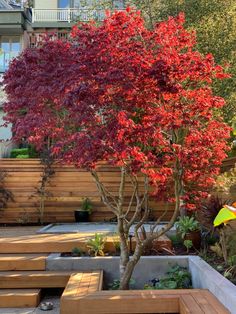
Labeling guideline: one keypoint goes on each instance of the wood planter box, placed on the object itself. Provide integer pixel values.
(149, 267)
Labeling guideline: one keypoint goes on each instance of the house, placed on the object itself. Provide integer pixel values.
(23, 26)
(58, 16)
(13, 25)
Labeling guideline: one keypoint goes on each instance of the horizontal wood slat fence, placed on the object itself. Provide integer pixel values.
(66, 190)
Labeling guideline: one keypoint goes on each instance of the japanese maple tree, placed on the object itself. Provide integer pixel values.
(136, 98)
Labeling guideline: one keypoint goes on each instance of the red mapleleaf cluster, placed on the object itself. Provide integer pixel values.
(125, 94)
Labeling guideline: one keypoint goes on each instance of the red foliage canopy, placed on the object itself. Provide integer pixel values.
(123, 93)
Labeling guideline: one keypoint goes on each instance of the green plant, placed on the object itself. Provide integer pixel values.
(19, 152)
(76, 251)
(175, 239)
(227, 238)
(87, 205)
(188, 244)
(96, 246)
(22, 156)
(28, 152)
(217, 249)
(209, 210)
(115, 285)
(116, 242)
(177, 277)
(186, 224)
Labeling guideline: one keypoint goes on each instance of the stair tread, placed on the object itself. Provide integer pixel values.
(19, 298)
(34, 279)
(10, 262)
(22, 256)
(4, 292)
(36, 272)
(27, 255)
(53, 243)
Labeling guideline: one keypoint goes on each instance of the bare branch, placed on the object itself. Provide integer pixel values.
(121, 191)
(152, 229)
(105, 194)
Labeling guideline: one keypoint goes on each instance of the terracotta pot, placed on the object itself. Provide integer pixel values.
(195, 237)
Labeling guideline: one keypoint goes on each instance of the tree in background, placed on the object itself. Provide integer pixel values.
(139, 99)
(215, 24)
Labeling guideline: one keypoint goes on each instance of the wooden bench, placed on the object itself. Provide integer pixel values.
(79, 286)
(193, 301)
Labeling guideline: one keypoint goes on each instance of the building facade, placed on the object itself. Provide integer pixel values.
(23, 23)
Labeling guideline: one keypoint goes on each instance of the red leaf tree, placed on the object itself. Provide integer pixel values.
(137, 98)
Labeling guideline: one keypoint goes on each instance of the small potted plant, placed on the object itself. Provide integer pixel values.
(82, 214)
(189, 229)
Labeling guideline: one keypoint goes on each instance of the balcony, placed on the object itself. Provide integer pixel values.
(66, 15)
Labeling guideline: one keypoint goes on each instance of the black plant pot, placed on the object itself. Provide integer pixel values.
(81, 216)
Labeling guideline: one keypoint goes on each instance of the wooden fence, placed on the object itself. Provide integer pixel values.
(228, 164)
(66, 190)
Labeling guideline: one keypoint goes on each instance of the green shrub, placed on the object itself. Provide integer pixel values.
(176, 278)
(29, 152)
(19, 152)
(186, 224)
(22, 156)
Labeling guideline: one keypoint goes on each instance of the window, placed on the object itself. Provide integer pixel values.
(64, 4)
(10, 48)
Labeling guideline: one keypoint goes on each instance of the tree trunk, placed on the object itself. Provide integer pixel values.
(126, 275)
(124, 250)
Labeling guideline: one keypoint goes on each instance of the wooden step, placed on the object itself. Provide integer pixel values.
(22, 262)
(53, 243)
(14, 298)
(34, 279)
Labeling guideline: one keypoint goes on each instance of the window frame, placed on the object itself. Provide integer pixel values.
(11, 51)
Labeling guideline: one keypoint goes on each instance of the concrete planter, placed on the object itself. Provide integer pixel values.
(149, 267)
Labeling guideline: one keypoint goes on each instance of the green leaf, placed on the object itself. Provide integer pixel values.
(224, 216)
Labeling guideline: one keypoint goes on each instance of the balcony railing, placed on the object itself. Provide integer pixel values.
(67, 15)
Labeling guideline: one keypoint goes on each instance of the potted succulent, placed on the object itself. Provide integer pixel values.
(82, 214)
(189, 229)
